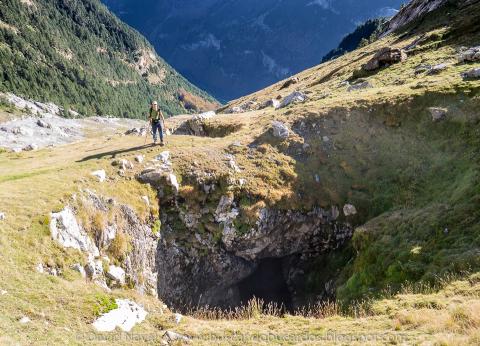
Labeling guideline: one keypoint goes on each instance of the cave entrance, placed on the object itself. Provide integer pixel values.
(267, 282)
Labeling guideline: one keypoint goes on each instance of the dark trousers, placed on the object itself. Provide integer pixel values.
(157, 126)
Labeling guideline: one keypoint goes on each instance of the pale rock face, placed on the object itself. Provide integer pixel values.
(226, 214)
(125, 317)
(173, 182)
(117, 274)
(280, 130)
(349, 209)
(101, 175)
(139, 158)
(414, 10)
(65, 230)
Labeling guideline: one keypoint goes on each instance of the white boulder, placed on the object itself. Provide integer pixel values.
(126, 316)
(65, 230)
(24, 320)
(470, 55)
(101, 175)
(117, 274)
(280, 130)
(349, 209)
(2, 216)
(295, 97)
(139, 158)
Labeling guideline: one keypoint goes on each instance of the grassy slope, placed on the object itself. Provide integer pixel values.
(410, 178)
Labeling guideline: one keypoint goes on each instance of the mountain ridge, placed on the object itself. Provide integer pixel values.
(78, 54)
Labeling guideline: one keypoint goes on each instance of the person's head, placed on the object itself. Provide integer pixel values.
(154, 104)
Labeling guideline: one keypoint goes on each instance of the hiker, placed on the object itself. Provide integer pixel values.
(157, 121)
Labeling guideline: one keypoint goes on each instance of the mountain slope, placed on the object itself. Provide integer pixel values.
(232, 48)
(367, 190)
(77, 54)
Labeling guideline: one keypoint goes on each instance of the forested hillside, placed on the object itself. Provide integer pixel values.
(78, 55)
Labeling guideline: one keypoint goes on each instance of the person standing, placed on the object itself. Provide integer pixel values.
(157, 122)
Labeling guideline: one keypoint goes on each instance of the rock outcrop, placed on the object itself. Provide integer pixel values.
(385, 57)
(469, 55)
(413, 11)
(194, 269)
(65, 230)
(125, 317)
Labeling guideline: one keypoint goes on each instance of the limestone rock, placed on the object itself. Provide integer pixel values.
(2, 216)
(280, 130)
(117, 274)
(139, 158)
(438, 113)
(270, 103)
(436, 69)
(65, 230)
(349, 209)
(472, 74)
(101, 175)
(126, 316)
(385, 57)
(123, 164)
(470, 55)
(178, 318)
(170, 336)
(359, 86)
(24, 320)
(295, 97)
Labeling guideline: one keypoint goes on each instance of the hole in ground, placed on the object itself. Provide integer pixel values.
(267, 282)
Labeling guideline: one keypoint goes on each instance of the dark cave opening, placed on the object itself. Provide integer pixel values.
(268, 283)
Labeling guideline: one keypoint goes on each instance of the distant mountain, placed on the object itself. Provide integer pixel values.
(79, 55)
(233, 47)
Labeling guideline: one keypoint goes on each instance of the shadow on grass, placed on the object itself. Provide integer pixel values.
(114, 153)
